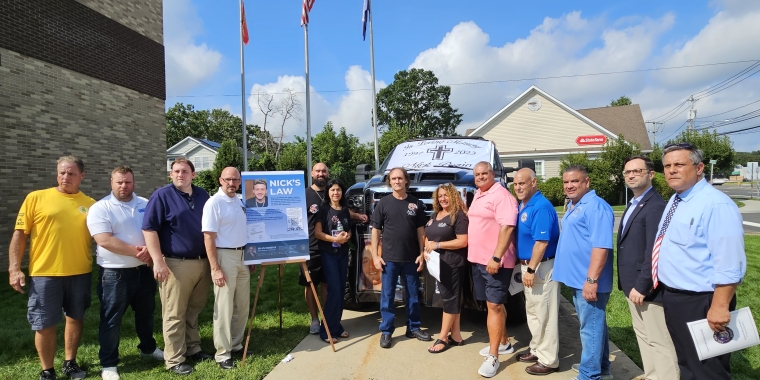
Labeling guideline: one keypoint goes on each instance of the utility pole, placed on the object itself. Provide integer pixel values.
(692, 113)
(654, 130)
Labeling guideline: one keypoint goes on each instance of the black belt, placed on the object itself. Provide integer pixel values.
(232, 249)
(526, 262)
(689, 292)
(185, 257)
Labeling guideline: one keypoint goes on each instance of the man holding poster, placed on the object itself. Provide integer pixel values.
(224, 235)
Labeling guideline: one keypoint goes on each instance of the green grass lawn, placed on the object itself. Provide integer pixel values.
(738, 203)
(744, 363)
(618, 208)
(18, 357)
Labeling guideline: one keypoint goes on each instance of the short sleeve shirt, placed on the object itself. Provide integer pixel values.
(329, 218)
(586, 225)
(178, 225)
(124, 221)
(314, 202)
(443, 230)
(399, 220)
(56, 222)
(226, 217)
(537, 221)
(489, 211)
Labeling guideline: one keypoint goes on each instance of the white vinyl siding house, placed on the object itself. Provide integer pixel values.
(200, 152)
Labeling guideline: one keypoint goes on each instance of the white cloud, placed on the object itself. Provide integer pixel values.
(187, 63)
(354, 110)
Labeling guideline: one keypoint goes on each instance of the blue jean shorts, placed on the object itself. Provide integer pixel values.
(493, 288)
(52, 297)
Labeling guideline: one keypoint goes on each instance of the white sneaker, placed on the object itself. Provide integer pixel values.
(503, 349)
(489, 367)
(109, 373)
(156, 354)
(575, 367)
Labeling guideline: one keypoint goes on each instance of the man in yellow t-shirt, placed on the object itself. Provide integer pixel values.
(60, 263)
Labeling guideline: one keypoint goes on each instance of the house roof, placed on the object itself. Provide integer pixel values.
(622, 120)
(207, 144)
(214, 145)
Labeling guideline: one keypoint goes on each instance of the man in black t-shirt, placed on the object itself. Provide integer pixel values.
(315, 198)
(402, 218)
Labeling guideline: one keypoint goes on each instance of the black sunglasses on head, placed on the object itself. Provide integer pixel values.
(683, 145)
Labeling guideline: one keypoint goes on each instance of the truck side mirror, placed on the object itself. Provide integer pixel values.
(526, 163)
(363, 172)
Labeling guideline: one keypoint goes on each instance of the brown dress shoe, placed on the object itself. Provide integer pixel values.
(527, 358)
(540, 369)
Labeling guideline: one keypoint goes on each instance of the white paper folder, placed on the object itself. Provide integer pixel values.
(740, 333)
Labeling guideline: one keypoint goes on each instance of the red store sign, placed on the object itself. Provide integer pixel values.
(591, 140)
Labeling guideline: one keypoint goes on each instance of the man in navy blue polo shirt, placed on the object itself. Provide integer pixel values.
(172, 230)
(537, 235)
(584, 263)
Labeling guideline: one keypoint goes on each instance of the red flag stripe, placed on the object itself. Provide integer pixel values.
(244, 25)
(306, 7)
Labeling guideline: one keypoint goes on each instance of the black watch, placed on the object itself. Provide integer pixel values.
(497, 259)
(530, 270)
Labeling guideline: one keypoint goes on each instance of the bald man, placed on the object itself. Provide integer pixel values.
(225, 236)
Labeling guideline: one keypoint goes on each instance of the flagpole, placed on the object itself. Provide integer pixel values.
(242, 91)
(308, 103)
(374, 94)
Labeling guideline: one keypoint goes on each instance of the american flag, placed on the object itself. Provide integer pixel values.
(307, 4)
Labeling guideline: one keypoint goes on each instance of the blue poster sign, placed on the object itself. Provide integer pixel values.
(276, 216)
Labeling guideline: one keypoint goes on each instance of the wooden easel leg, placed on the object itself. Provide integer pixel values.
(279, 296)
(253, 314)
(319, 304)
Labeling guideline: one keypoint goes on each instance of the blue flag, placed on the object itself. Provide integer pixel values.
(365, 18)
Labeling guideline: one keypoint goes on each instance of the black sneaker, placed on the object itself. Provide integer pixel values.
(419, 334)
(385, 340)
(71, 369)
(48, 374)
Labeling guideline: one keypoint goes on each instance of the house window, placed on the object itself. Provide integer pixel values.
(202, 163)
(539, 168)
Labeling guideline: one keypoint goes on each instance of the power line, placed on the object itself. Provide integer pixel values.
(726, 83)
(734, 109)
(504, 80)
(739, 130)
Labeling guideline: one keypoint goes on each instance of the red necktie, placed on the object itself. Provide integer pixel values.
(658, 242)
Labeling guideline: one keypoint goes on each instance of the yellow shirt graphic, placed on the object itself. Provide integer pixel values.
(60, 244)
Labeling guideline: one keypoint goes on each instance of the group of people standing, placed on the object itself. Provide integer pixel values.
(674, 266)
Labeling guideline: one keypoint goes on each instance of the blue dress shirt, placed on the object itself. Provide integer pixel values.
(704, 243)
(634, 203)
(587, 225)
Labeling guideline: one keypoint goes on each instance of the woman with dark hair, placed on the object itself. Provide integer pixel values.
(446, 233)
(333, 229)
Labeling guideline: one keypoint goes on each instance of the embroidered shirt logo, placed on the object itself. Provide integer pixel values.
(524, 217)
(82, 210)
(313, 209)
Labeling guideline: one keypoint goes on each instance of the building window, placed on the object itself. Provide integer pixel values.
(539, 169)
(203, 163)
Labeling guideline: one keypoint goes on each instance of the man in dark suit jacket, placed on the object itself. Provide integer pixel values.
(636, 236)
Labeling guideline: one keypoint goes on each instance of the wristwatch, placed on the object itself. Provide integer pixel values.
(530, 270)
(497, 259)
(591, 280)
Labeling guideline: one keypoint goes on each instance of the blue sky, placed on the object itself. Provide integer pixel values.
(464, 42)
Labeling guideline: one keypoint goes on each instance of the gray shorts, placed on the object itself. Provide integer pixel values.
(493, 288)
(52, 297)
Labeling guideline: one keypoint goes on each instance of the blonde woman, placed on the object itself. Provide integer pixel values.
(446, 233)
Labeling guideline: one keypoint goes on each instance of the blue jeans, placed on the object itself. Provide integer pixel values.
(411, 281)
(334, 272)
(118, 289)
(595, 343)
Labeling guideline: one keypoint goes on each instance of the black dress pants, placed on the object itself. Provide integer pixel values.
(682, 307)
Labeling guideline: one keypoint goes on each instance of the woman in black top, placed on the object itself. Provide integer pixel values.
(333, 229)
(446, 233)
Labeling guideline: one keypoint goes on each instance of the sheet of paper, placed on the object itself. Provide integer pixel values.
(515, 284)
(434, 265)
(740, 333)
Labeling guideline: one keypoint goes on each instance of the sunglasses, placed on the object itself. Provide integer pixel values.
(189, 199)
(683, 145)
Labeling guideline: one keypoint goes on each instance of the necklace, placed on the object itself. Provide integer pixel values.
(321, 197)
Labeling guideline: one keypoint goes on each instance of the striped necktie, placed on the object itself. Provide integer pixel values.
(658, 242)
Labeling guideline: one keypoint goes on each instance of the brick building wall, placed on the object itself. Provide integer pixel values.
(84, 78)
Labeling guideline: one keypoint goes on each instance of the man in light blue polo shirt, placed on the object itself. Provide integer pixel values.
(537, 235)
(698, 259)
(584, 263)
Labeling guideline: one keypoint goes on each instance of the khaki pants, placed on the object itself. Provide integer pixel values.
(542, 309)
(231, 304)
(183, 297)
(656, 347)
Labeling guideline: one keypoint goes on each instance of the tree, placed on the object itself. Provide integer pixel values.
(390, 138)
(288, 108)
(415, 102)
(268, 108)
(182, 121)
(206, 180)
(714, 147)
(742, 158)
(598, 173)
(264, 162)
(229, 154)
(622, 101)
(614, 153)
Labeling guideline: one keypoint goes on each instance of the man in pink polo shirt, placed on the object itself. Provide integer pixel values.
(493, 216)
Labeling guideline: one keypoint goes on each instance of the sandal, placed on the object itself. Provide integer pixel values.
(446, 346)
(455, 343)
(327, 340)
(343, 335)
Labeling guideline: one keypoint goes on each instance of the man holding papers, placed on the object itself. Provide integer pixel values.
(537, 235)
(446, 234)
(698, 259)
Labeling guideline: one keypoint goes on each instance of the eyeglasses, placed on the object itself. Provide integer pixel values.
(231, 180)
(683, 145)
(635, 172)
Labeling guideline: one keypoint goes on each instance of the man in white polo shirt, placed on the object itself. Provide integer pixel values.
(225, 236)
(115, 222)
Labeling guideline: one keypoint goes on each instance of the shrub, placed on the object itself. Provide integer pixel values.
(553, 191)
(661, 186)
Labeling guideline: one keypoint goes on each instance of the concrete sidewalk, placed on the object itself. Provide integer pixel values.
(360, 356)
